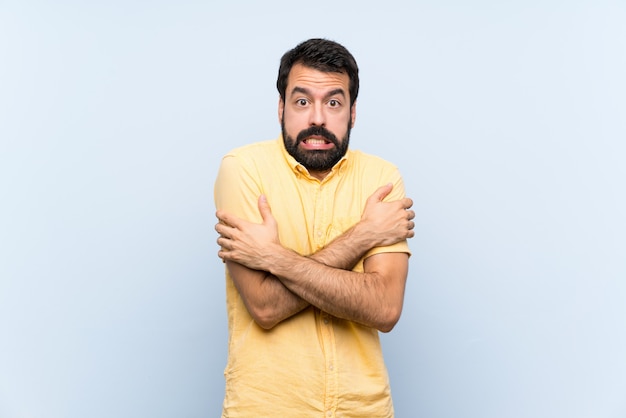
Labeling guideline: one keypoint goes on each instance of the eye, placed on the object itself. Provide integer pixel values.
(301, 102)
(333, 103)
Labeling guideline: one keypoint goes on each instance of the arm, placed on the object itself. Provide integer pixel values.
(267, 299)
(373, 298)
(381, 224)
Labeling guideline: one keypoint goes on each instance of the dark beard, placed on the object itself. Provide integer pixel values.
(318, 160)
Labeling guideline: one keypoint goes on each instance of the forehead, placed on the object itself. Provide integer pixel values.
(307, 77)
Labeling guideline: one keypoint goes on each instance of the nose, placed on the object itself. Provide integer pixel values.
(317, 115)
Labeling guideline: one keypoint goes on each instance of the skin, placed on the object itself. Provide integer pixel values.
(275, 282)
(316, 98)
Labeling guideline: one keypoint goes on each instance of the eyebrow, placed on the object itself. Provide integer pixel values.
(306, 91)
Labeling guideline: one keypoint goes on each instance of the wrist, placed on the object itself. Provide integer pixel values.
(279, 260)
(361, 236)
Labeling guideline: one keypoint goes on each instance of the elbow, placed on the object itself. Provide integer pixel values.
(390, 319)
(264, 317)
(266, 325)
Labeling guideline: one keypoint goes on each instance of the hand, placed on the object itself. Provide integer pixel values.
(248, 243)
(387, 222)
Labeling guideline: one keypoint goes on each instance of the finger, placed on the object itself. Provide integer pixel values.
(264, 208)
(382, 192)
(227, 218)
(224, 243)
(410, 214)
(222, 254)
(407, 202)
(223, 230)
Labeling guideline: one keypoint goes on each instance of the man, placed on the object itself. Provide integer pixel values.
(314, 240)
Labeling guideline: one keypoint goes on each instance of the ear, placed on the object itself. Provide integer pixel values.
(353, 114)
(281, 109)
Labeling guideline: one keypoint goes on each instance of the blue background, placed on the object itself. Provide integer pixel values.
(507, 120)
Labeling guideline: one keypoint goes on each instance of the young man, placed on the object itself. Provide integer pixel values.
(314, 240)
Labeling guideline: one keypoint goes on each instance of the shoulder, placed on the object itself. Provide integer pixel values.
(370, 172)
(250, 163)
(369, 163)
(361, 157)
(254, 150)
(255, 156)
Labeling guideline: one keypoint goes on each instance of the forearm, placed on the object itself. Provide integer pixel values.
(267, 300)
(271, 302)
(345, 251)
(253, 247)
(373, 298)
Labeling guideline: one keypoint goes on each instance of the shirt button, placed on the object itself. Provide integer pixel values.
(329, 413)
(331, 367)
(326, 321)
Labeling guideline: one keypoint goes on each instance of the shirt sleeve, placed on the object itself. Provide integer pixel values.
(237, 188)
(396, 193)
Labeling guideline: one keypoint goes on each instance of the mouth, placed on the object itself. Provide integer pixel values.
(317, 142)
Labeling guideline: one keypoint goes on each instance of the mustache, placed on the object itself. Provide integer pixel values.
(317, 131)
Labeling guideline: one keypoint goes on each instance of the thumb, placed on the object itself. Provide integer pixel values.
(264, 209)
(382, 192)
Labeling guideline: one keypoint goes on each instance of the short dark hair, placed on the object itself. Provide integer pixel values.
(322, 55)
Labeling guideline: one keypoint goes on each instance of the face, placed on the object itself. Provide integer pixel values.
(316, 118)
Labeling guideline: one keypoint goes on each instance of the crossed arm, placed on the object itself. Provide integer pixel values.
(276, 283)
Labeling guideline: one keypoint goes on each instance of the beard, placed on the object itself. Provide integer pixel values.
(316, 160)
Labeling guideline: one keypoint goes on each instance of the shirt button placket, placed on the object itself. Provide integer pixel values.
(322, 223)
(328, 340)
(318, 226)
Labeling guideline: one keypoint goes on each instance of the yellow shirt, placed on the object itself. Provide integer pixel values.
(312, 364)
